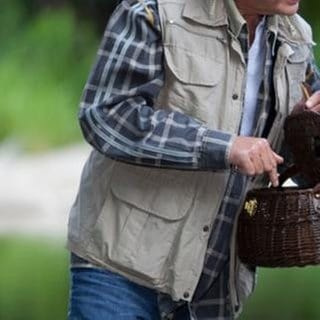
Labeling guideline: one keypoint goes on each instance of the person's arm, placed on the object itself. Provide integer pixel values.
(117, 113)
(118, 117)
(312, 86)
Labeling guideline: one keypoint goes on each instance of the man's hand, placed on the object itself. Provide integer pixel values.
(254, 156)
(313, 103)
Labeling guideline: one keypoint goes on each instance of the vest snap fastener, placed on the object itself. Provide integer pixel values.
(235, 96)
(317, 195)
(205, 228)
(186, 295)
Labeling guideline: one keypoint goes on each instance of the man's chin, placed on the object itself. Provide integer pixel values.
(290, 10)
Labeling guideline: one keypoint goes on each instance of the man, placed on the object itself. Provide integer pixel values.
(183, 107)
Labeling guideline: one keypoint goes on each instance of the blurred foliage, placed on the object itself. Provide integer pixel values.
(96, 11)
(45, 61)
(33, 280)
(43, 67)
(310, 9)
(285, 294)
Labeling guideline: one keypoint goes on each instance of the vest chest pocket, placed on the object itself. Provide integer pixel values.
(296, 72)
(142, 216)
(195, 60)
(194, 83)
(191, 68)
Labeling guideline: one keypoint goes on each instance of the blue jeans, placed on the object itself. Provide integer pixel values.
(98, 294)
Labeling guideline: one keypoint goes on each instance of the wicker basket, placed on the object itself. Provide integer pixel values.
(280, 227)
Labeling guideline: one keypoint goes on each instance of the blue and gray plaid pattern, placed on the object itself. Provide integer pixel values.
(117, 112)
(118, 118)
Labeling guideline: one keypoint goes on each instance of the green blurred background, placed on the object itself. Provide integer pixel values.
(47, 48)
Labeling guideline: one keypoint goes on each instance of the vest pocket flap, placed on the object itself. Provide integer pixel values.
(166, 194)
(191, 68)
(300, 54)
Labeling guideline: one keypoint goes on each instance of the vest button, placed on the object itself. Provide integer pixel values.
(206, 229)
(186, 295)
(235, 96)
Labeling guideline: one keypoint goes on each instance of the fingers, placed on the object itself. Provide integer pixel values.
(313, 103)
(274, 177)
(254, 156)
(316, 108)
(258, 164)
(271, 161)
(266, 157)
(273, 172)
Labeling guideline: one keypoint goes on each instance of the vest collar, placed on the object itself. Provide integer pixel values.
(236, 20)
(214, 13)
(217, 13)
(207, 12)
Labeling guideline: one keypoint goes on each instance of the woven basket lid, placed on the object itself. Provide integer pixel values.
(302, 134)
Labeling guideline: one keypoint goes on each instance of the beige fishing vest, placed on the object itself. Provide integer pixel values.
(150, 224)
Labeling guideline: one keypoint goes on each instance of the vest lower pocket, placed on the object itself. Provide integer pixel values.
(141, 219)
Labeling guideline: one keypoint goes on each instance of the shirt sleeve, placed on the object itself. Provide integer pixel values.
(117, 114)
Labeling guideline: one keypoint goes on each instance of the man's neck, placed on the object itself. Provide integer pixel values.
(252, 23)
(251, 16)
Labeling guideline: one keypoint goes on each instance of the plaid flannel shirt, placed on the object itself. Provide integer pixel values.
(118, 118)
(117, 113)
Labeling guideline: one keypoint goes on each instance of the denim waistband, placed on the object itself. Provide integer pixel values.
(168, 309)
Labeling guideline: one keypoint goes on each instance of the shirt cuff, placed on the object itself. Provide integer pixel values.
(216, 146)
